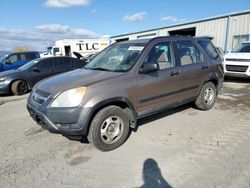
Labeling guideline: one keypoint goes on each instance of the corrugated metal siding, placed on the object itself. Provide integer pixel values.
(215, 28)
(239, 25)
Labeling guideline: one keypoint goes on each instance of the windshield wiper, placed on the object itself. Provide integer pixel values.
(98, 68)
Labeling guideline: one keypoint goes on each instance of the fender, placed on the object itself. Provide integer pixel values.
(113, 101)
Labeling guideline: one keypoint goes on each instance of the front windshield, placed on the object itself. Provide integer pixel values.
(55, 50)
(29, 64)
(117, 58)
(3, 57)
(242, 48)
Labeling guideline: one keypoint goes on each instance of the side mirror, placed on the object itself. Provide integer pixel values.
(147, 68)
(83, 59)
(35, 69)
(7, 61)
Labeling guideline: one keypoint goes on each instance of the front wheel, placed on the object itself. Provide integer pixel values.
(19, 87)
(109, 129)
(207, 97)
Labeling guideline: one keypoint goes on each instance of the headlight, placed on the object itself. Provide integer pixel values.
(69, 98)
(3, 78)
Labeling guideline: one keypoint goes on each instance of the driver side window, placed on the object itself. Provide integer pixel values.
(12, 59)
(161, 54)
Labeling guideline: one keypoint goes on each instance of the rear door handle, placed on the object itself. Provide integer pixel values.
(204, 67)
(173, 73)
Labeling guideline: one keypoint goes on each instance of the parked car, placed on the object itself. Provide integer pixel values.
(16, 60)
(21, 80)
(237, 62)
(125, 82)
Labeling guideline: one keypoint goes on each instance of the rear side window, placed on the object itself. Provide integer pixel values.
(47, 65)
(209, 48)
(188, 53)
(63, 64)
(30, 56)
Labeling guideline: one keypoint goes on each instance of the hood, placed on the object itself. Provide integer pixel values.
(6, 73)
(238, 55)
(73, 79)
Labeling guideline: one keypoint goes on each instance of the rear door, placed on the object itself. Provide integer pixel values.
(194, 69)
(158, 89)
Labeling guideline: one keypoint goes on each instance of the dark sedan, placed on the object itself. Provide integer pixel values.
(20, 81)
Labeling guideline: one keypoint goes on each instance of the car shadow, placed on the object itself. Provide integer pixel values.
(6, 95)
(142, 121)
(81, 139)
(12, 95)
(162, 114)
(152, 176)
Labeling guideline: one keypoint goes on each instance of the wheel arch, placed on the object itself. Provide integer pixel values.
(211, 78)
(121, 102)
(14, 80)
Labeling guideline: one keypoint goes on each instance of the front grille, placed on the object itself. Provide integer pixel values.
(236, 68)
(40, 96)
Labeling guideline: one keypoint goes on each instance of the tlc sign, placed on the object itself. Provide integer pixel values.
(87, 46)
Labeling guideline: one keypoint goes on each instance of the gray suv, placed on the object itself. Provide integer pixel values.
(125, 82)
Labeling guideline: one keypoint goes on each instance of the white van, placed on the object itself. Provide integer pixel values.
(78, 48)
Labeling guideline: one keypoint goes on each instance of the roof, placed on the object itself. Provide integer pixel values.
(191, 22)
(144, 41)
(25, 52)
(138, 41)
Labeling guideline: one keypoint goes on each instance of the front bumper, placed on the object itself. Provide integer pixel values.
(237, 69)
(4, 89)
(65, 121)
(237, 74)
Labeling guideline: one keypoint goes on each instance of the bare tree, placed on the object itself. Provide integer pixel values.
(20, 49)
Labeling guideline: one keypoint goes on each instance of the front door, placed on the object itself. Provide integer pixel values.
(12, 62)
(43, 69)
(161, 88)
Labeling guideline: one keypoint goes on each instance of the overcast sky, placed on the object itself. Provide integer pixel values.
(35, 24)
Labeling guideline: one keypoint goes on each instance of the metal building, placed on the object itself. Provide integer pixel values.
(227, 30)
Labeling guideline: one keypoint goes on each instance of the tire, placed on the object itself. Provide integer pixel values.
(206, 97)
(19, 87)
(109, 128)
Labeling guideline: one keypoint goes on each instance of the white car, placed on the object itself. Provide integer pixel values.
(237, 62)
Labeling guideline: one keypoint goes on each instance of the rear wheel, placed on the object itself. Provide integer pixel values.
(109, 129)
(207, 97)
(19, 87)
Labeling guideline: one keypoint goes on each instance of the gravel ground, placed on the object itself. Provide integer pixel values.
(183, 147)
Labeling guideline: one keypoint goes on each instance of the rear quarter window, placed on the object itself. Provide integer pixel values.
(209, 48)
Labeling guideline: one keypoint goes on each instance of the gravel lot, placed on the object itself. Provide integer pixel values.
(183, 147)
